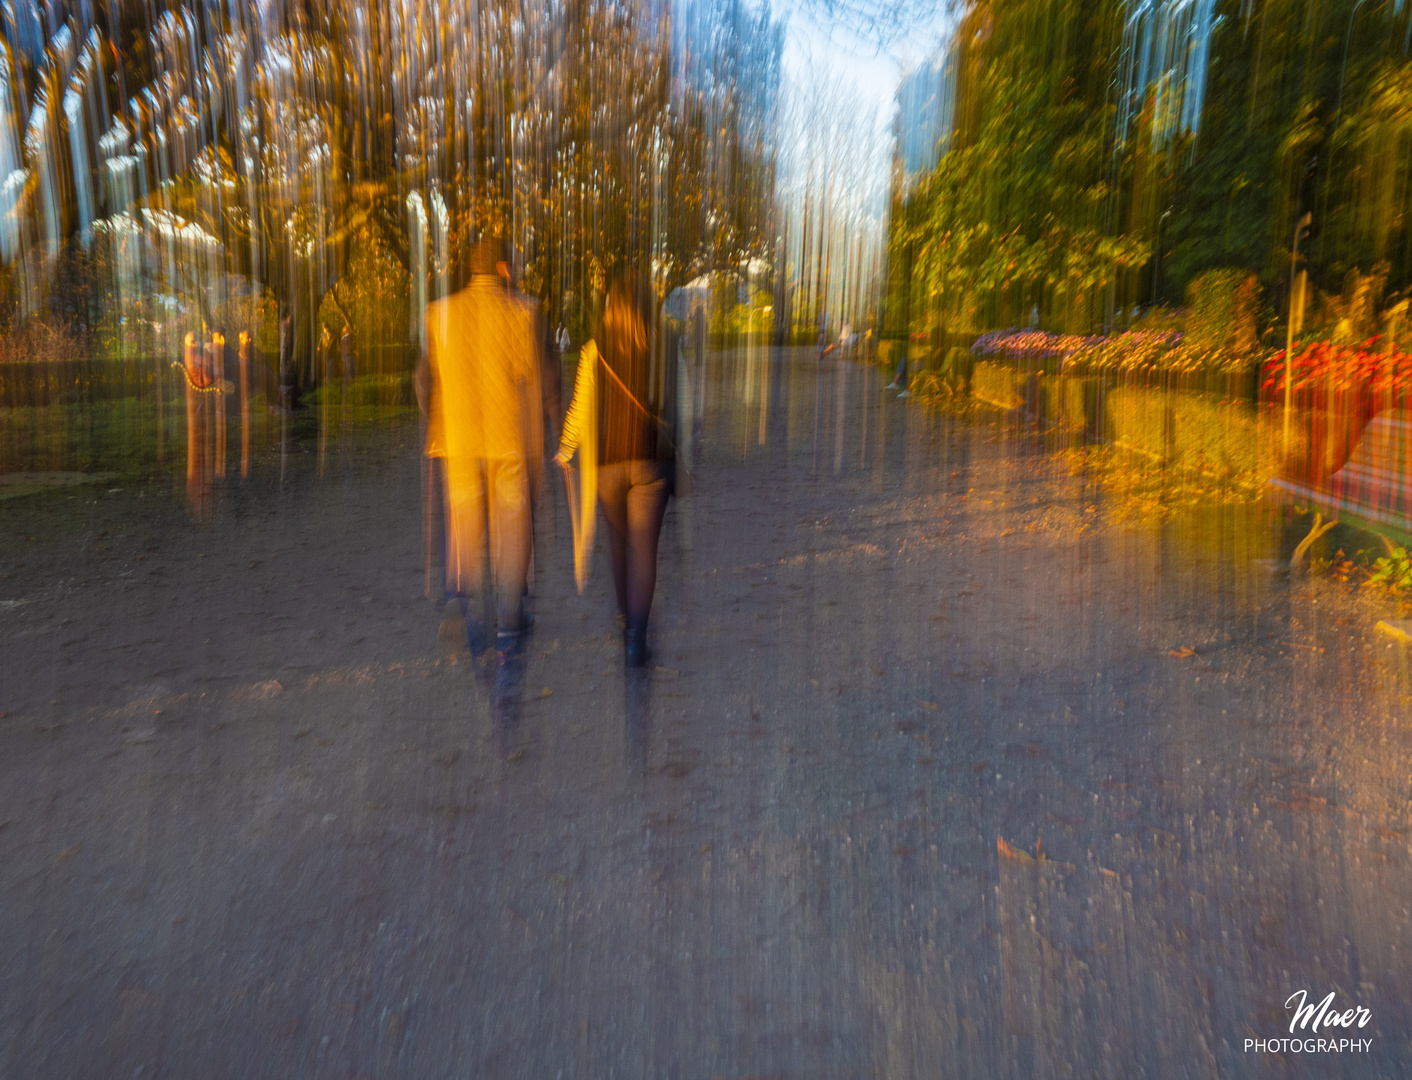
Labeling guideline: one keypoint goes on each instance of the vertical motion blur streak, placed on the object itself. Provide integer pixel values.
(705, 538)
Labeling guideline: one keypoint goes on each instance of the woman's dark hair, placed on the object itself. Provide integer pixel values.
(633, 400)
(627, 322)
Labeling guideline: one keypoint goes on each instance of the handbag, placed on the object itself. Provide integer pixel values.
(682, 484)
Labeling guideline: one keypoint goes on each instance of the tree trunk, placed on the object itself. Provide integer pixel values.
(297, 370)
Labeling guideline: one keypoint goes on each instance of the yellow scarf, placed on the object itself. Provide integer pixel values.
(583, 503)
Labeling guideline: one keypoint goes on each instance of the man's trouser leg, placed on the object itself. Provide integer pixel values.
(511, 537)
(465, 487)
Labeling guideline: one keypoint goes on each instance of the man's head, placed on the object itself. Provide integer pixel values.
(488, 257)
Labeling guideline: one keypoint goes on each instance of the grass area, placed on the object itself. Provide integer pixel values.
(133, 437)
(384, 395)
(124, 436)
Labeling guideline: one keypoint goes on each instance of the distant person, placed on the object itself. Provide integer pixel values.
(345, 351)
(245, 348)
(899, 379)
(480, 385)
(621, 424)
(202, 400)
(326, 352)
(698, 369)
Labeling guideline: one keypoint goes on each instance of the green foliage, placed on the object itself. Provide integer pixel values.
(1224, 304)
(256, 315)
(1394, 571)
(1288, 128)
(754, 318)
(1015, 213)
(1043, 200)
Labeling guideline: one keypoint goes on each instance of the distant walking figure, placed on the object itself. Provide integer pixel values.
(345, 351)
(621, 424)
(480, 386)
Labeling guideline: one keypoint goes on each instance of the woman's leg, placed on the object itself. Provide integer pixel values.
(613, 501)
(646, 506)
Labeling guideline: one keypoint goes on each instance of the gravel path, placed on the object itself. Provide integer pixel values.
(254, 824)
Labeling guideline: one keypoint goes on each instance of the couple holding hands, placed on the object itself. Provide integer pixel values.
(481, 387)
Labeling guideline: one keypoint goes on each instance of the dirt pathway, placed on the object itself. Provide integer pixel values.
(252, 824)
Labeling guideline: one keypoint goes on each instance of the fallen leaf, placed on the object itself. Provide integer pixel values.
(70, 852)
(1185, 652)
(1026, 750)
(1009, 851)
(927, 704)
(1301, 800)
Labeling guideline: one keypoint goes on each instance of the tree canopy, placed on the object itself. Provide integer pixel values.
(268, 147)
(1105, 154)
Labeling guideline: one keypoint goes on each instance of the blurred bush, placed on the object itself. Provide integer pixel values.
(997, 385)
(367, 393)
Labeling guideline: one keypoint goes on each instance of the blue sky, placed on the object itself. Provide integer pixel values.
(852, 79)
(863, 74)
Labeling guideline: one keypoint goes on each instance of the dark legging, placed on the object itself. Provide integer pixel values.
(633, 495)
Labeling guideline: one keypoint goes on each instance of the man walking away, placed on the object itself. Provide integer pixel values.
(480, 383)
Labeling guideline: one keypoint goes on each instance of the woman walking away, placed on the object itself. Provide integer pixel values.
(620, 422)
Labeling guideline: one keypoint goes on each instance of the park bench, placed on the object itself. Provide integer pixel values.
(1374, 485)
